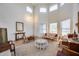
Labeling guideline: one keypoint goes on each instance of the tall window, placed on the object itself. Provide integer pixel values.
(53, 28)
(53, 8)
(43, 28)
(65, 25)
(44, 10)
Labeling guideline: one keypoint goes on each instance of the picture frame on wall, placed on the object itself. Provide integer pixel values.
(19, 26)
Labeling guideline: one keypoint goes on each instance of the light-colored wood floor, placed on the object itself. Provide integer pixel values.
(19, 42)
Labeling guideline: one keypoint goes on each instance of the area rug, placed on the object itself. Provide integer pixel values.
(29, 49)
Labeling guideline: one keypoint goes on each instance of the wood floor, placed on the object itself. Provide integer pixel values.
(19, 42)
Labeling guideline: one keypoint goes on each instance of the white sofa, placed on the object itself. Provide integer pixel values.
(52, 36)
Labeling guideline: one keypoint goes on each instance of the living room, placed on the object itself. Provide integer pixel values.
(28, 23)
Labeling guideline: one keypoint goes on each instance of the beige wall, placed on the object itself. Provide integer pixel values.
(10, 13)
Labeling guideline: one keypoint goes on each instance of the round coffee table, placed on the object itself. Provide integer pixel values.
(41, 43)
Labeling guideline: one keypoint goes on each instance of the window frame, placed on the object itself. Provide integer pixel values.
(62, 4)
(53, 7)
(29, 9)
(42, 29)
(43, 10)
(65, 30)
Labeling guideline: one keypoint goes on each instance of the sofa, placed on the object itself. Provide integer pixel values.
(50, 36)
(72, 35)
